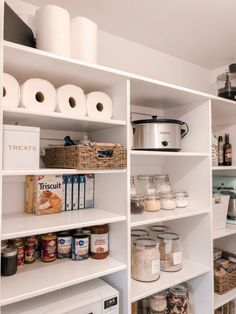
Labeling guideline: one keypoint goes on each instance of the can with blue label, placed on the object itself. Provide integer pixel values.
(80, 246)
(64, 240)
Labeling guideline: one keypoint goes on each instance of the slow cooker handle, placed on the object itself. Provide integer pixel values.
(184, 131)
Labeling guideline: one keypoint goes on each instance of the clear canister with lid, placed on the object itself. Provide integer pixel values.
(132, 186)
(182, 199)
(162, 183)
(149, 185)
(156, 229)
(152, 202)
(137, 204)
(170, 251)
(168, 201)
(178, 300)
(158, 302)
(138, 233)
(145, 264)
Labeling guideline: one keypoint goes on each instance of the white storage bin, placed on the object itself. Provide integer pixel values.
(220, 209)
(20, 147)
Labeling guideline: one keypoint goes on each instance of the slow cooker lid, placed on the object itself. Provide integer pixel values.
(155, 119)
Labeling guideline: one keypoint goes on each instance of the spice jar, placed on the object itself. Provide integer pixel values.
(99, 242)
(182, 199)
(29, 252)
(8, 261)
(178, 300)
(137, 204)
(64, 240)
(170, 252)
(149, 187)
(145, 264)
(80, 246)
(156, 229)
(152, 202)
(49, 247)
(162, 183)
(158, 302)
(168, 201)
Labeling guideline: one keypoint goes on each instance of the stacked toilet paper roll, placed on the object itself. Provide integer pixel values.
(38, 95)
(84, 39)
(71, 100)
(11, 91)
(53, 30)
(99, 105)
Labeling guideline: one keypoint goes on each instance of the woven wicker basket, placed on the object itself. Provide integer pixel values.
(225, 282)
(92, 156)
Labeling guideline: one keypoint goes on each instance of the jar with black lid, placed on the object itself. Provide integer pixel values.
(8, 261)
(99, 241)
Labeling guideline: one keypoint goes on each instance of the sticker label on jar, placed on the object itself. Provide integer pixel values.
(177, 258)
(80, 248)
(64, 247)
(168, 246)
(155, 266)
(49, 249)
(99, 243)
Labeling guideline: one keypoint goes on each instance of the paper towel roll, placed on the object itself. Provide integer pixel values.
(99, 105)
(11, 91)
(84, 39)
(53, 30)
(38, 95)
(71, 99)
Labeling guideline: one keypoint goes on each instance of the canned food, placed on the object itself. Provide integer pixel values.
(30, 252)
(64, 240)
(19, 244)
(80, 246)
(34, 239)
(49, 247)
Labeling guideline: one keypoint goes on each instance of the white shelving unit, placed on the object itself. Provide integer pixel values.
(189, 170)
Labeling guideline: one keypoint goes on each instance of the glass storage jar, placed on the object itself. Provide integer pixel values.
(178, 300)
(168, 201)
(143, 306)
(132, 186)
(158, 302)
(182, 199)
(149, 185)
(162, 183)
(145, 264)
(156, 229)
(138, 233)
(152, 202)
(137, 204)
(170, 251)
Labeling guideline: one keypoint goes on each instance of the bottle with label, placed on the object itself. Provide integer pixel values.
(220, 151)
(227, 151)
(214, 151)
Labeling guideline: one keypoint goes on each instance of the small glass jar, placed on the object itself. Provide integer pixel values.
(168, 201)
(99, 241)
(152, 202)
(170, 252)
(158, 302)
(162, 183)
(149, 187)
(178, 298)
(29, 252)
(132, 186)
(182, 199)
(145, 264)
(137, 204)
(156, 229)
(8, 261)
(20, 245)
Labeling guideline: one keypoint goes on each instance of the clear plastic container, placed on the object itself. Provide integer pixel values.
(162, 183)
(170, 251)
(152, 203)
(156, 229)
(178, 299)
(182, 199)
(168, 201)
(145, 264)
(137, 204)
(158, 302)
(149, 185)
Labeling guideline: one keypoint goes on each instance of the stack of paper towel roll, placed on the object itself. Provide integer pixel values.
(40, 95)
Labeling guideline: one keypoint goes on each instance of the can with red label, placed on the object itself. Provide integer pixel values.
(48, 247)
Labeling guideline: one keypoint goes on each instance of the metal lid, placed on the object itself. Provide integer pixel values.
(64, 234)
(182, 193)
(155, 119)
(179, 290)
(139, 233)
(168, 236)
(159, 228)
(161, 176)
(80, 235)
(9, 251)
(145, 242)
(137, 197)
(168, 195)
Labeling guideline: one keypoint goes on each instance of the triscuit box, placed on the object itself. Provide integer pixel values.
(89, 191)
(20, 147)
(47, 194)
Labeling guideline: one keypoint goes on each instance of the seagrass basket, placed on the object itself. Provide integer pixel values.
(85, 157)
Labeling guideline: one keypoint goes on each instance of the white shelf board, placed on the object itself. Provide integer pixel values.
(189, 271)
(39, 278)
(220, 300)
(56, 120)
(50, 171)
(167, 154)
(222, 168)
(16, 225)
(147, 218)
(229, 230)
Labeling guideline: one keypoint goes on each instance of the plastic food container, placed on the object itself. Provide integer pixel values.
(145, 264)
(168, 201)
(152, 203)
(170, 252)
(182, 199)
(137, 204)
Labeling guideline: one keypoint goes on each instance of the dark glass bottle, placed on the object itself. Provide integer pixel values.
(220, 151)
(227, 151)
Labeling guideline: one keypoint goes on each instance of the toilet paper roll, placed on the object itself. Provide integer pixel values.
(84, 39)
(11, 91)
(99, 105)
(38, 95)
(71, 99)
(53, 30)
